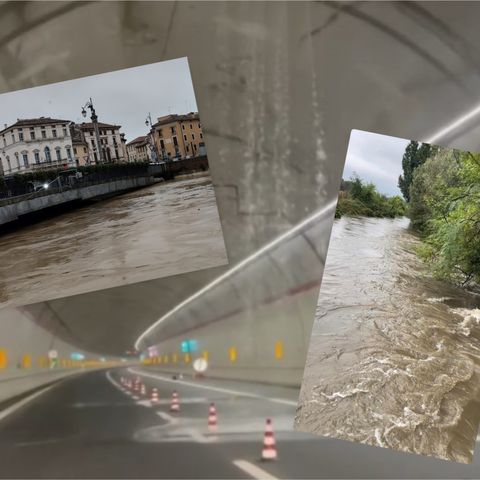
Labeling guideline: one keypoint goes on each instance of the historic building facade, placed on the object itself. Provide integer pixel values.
(112, 143)
(138, 150)
(178, 136)
(31, 144)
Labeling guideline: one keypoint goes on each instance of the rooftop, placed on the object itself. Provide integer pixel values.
(142, 139)
(173, 117)
(89, 125)
(32, 122)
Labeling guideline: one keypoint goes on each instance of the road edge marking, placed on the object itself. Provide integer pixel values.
(13, 408)
(254, 471)
(215, 389)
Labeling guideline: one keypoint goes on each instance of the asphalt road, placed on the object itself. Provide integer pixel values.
(91, 426)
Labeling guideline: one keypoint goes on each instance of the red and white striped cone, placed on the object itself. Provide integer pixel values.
(175, 404)
(269, 451)
(154, 396)
(212, 418)
(143, 389)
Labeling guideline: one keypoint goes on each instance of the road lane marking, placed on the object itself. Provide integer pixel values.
(215, 389)
(256, 472)
(167, 417)
(197, 436)
(12, 408)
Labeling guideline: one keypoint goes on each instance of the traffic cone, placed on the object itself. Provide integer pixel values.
(175, 404)
(269, 451)
(154, 396)
(143, 389)
(212, 418)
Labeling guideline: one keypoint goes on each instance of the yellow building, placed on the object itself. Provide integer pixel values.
(179, 136)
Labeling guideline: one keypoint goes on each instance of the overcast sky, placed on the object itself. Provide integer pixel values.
(377, 159)
(123, 97)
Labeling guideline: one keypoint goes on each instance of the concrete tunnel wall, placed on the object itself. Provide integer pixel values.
(254, 324)
(24, 347)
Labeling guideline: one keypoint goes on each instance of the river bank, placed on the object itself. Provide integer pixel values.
(394, 358)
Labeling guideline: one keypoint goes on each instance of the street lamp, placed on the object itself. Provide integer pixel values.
(94, 118)
(151, 140)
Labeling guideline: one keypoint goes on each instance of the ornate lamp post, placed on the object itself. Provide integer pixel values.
(151, 140)
(94, 118)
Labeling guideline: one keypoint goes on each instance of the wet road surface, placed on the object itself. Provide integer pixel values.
(89, 427)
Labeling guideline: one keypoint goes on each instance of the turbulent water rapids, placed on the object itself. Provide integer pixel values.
(394, 358)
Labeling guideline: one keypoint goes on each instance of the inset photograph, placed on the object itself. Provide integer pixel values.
(104, 181)
(394, 357)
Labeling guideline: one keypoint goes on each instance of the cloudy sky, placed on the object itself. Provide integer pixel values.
(124, 97)
(377, 159)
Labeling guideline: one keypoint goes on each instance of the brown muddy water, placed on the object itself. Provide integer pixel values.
(394, 358)
(161, 230)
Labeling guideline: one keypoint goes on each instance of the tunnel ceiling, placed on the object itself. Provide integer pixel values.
(109, 321)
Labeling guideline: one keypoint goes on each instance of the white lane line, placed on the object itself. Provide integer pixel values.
(167, 417)
(12, 408)
(112, 381)
(254, 471)
(197, 436)
(215, 389)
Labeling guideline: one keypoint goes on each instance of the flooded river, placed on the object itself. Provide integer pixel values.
(161, 230)
(394, 358)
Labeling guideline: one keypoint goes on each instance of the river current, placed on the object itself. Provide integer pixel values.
(165, 229)
(394, 358)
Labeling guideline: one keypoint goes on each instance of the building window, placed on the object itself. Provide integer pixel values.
(25, 159)
(183, 126)
(32, 133)
(59, 154)
(69, 153)
(195, 147)
(17, 158)
(37, 157)
(84, 149)
(48, 156)
(65, 133)
(193, 136)
(175, 142)
(54, 132)
(188, 150)
(4, 142)
(185, 137)
(74, 150)
(44, 133)
(13, 137)
(20, 135)
(160, 134)
(191, 128)
(201, 135)
(162, 144)
(173, 130)
(8, 161)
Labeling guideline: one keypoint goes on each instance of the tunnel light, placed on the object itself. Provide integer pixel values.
(45, 186)
(77, 356)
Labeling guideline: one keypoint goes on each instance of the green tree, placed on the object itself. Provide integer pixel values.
(445, 207)
(414, 157)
